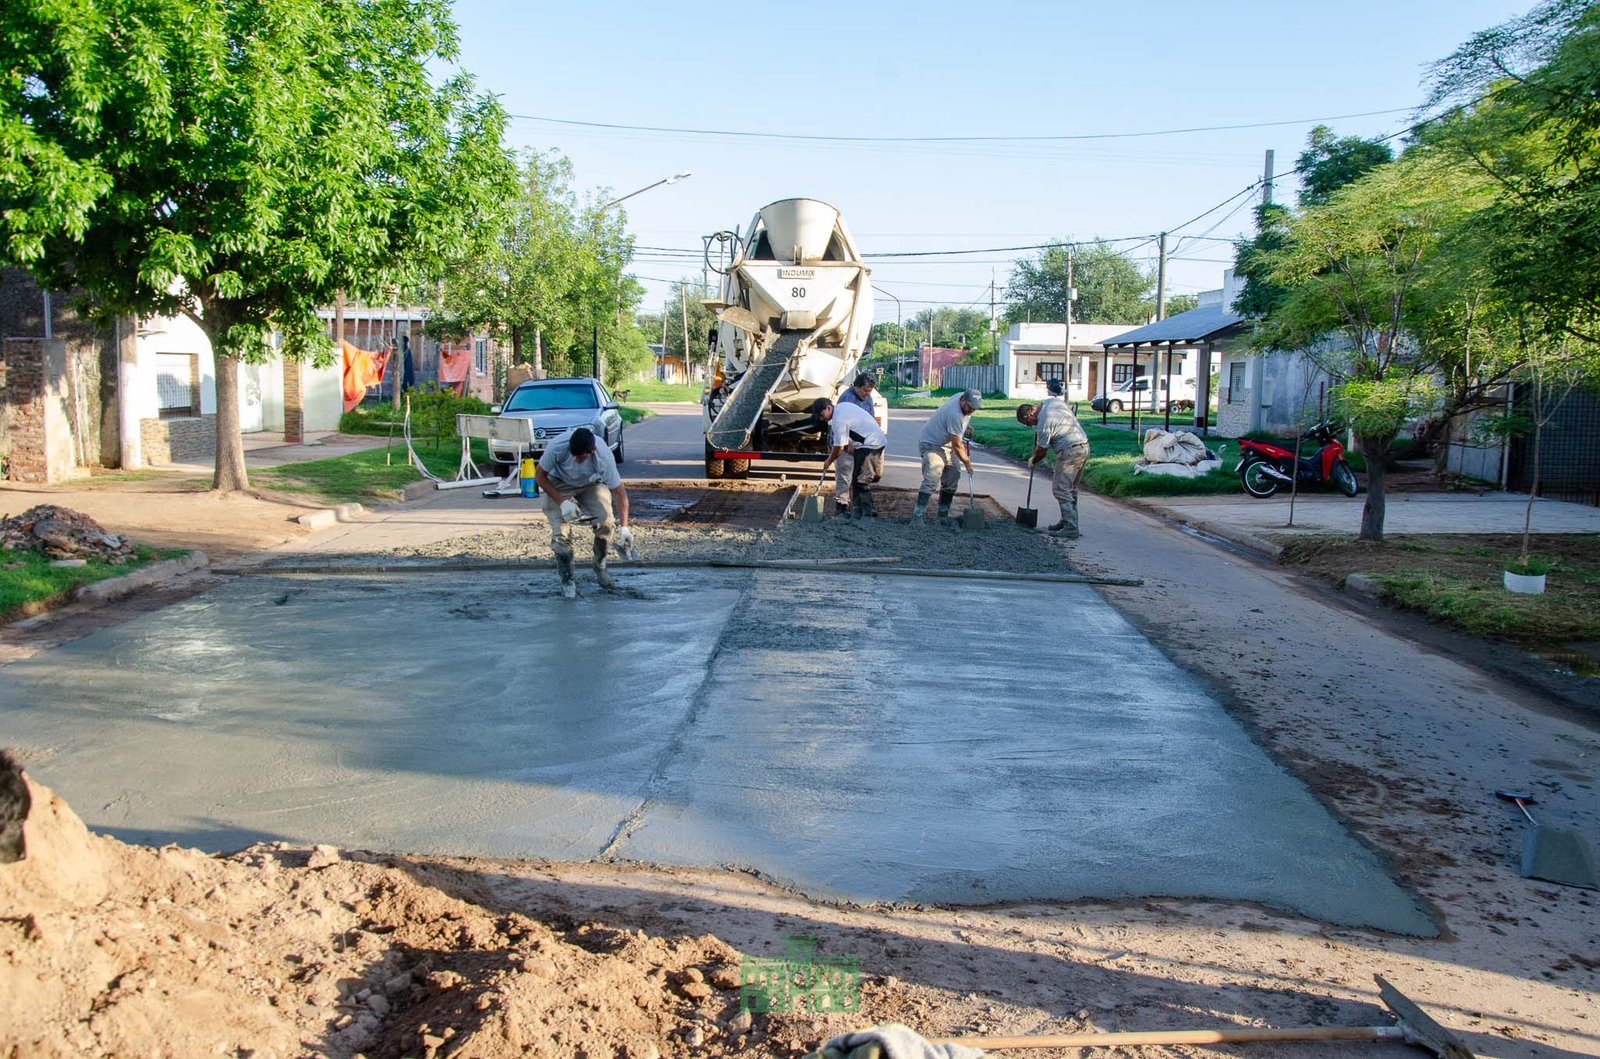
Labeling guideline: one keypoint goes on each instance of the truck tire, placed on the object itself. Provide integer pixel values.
(738, 468)
(716, 466)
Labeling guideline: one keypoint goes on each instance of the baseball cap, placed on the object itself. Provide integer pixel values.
(974, 398)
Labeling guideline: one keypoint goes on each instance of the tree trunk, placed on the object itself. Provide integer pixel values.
(230, 474)
(1376, 452)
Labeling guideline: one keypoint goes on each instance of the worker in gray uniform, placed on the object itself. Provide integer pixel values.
(943, 442)
(579, 478)
(850, 426)
(1056, 429)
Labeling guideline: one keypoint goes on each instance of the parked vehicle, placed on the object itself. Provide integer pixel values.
(794, 313)
(557, 406)
(1264, 468)
(1135, 393)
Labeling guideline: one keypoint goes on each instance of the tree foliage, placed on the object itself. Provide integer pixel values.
(684, 304)
(1330, 162)
(1111, 289)
(239, 163)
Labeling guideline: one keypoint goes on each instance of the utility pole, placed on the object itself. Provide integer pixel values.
(1161, 281)
(1066, 339)
(683, 306)
(994, 345)
(1266, 180)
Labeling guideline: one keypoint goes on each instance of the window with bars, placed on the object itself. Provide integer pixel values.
(1121, 373)
(177, 385)
(1047, 370)
(1236, 382)
(480, 355)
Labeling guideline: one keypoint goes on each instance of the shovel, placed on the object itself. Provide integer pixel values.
(972, 518)
(1028, 516)
(812, 511)
(1553, 854)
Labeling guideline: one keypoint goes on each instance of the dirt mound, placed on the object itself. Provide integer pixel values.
(62, 533)
(277, 951)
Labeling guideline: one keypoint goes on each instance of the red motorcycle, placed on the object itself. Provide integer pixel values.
(1265, 468)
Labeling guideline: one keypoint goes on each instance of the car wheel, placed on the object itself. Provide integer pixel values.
(1116, 406)
(617, 452)
(716, 466)
(738, 468)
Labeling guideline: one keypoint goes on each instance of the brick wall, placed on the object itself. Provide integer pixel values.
(24, 397)
(294, 415)
(178, 440)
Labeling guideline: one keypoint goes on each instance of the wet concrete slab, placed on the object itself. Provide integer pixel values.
(863, 738)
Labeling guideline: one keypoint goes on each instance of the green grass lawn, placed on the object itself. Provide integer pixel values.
(1456, 579)
(376, 475)
(34, 586)
(687, 393)
(630, 414)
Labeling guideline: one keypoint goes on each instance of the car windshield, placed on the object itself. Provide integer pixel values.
(544, 398)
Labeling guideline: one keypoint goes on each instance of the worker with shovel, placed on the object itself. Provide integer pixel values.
(578, 479)
(1056, 429)
(849, 424)
(861, 394)
(943, 442)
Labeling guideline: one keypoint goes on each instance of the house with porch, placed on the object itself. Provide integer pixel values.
(1031, 354)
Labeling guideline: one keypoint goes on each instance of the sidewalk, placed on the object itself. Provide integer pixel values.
(1404, 513)
(266, 448)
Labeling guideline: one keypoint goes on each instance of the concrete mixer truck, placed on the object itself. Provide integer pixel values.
(793, 316)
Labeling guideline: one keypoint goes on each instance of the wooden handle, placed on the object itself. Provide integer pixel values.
(1235, 1036)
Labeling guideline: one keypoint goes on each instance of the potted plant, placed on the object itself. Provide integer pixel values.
(1525, 574)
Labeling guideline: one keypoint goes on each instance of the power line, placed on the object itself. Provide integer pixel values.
(1053, 138)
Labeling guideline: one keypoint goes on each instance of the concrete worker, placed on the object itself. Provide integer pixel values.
(1056, 429)
(943, 442)
(851, 425)
(858, 393)
(579, 478)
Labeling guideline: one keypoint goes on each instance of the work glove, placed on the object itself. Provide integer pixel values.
(625, 545)
(569, 510)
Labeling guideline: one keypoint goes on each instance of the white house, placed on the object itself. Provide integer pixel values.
(1031, 354)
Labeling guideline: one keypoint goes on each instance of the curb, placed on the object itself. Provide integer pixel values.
(1363, 585)
(146, 577)
(1248, 541)
(328, 516)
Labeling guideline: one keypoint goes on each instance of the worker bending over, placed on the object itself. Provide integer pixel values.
(863, 394)
(942, 442)
(579, 478)
(1056, 429)
(850, 425)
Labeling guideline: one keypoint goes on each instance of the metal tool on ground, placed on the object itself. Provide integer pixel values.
(1028, 515)
(972, 518)
(812, 511)
(1551, 853)
(1412, 1026)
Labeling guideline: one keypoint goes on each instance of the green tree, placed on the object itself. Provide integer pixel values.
(238, 163)
(1181, 303)
(1531, 120)
(518, 285)
(1111, 289)
(685, 311)
(1379, 265)
(1330, 162)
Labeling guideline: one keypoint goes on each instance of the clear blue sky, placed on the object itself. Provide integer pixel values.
(935, 68)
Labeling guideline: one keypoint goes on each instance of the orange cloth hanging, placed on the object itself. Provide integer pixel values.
(453, 368)
(363, 369)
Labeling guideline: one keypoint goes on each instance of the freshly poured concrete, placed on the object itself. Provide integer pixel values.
(866, 738)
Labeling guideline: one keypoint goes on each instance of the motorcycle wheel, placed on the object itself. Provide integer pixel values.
(1256, 481)
(1344, 479)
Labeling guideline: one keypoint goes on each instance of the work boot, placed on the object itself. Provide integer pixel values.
(946, 498)
(569, 586)
(921, 509)
(601, 574)
(1060, 530)
(863, 504)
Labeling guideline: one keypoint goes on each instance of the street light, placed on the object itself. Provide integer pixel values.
(685, 175)
(673, 179)
(899, 360)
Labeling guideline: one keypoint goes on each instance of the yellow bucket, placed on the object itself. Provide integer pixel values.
(530, 485)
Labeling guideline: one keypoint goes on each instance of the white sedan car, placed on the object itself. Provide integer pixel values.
(556, 407)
